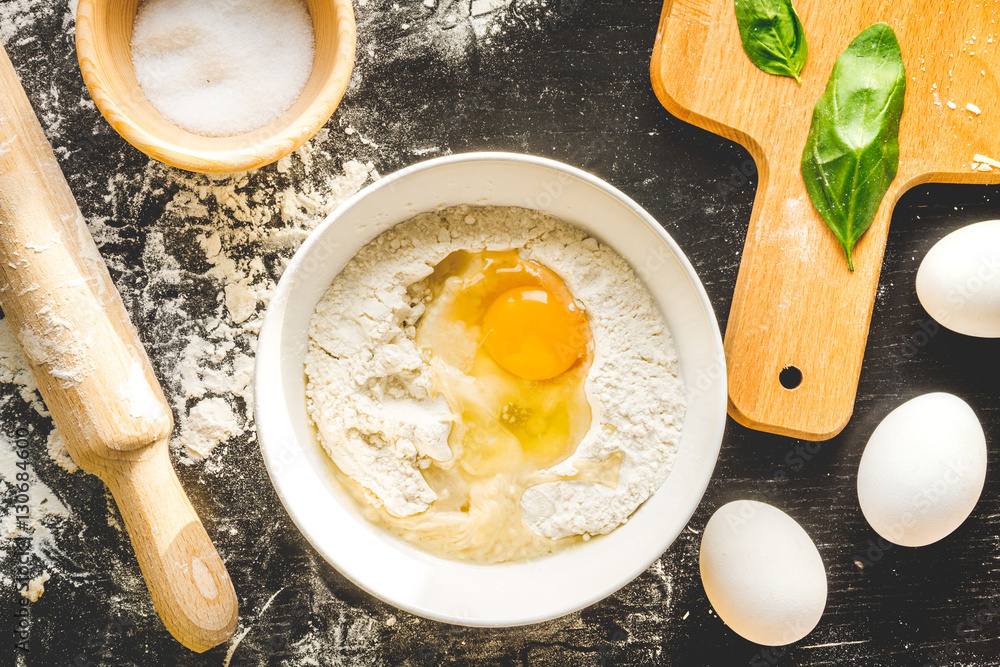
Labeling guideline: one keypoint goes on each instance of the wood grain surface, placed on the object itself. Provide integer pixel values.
(795, 302)
(568, 81)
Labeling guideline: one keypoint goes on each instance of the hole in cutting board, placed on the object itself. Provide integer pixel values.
(790, 377)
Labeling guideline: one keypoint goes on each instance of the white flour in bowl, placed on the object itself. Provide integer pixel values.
(370, 391)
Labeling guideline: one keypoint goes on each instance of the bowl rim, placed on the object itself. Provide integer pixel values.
(228, 160)
(271, 329)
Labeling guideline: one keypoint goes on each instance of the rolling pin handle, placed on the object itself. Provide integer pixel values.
(187, 579)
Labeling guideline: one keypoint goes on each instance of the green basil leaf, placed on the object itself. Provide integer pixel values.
(772, 35)
(852, 151)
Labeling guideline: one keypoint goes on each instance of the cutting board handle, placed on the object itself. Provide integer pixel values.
(95, 376)
(797, 330)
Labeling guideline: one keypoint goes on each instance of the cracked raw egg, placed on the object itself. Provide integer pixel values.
(511, 348)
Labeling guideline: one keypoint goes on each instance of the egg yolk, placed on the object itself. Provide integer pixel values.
(511, 349)
(533, 334)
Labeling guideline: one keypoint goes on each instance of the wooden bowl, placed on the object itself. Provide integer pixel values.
(103, 47)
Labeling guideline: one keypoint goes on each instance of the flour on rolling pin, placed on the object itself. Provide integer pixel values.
(57, 343)
(68, 358)
(139, 396)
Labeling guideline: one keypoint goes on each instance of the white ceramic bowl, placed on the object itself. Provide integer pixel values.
(389, 567)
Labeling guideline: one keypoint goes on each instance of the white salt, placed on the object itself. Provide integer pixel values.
(222, 67)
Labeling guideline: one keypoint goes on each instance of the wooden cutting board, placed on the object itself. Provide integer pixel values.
(796, 305)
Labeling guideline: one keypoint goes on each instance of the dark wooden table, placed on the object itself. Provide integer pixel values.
(566, 79)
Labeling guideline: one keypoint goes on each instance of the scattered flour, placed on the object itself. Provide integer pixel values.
(209, 422)
(36, 587)
(14, 369)
(231, 224)
(47, 515)
(17, 17)
(371, 391)
(56, 448)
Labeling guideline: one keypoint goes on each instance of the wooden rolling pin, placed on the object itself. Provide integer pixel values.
(95, 376)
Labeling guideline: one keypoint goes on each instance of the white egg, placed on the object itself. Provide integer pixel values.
(958, 282)
(762, 573)
(923, 470)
